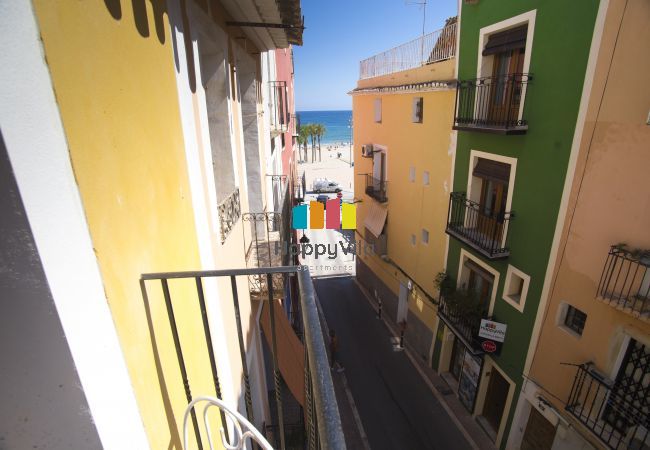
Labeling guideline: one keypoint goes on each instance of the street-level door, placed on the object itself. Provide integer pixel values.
(402, 305)
(495, 400)
(457, 354)
(539, 434)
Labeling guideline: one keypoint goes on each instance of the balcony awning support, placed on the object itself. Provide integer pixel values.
(265, 25)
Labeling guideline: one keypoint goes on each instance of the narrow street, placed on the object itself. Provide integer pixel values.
(397, 409)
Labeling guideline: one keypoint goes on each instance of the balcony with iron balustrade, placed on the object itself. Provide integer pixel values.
(617, 414)
(492, 104)
(376, 188)
(625, 282)
(298, 363)
(471, 224)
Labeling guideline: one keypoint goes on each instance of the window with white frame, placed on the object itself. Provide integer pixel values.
(418, 110)
(425, 178)
(412, 174)
(377, 106)
(515, 288)
(413, 240)
(425, 236)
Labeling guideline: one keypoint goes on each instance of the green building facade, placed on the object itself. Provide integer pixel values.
(521, 69)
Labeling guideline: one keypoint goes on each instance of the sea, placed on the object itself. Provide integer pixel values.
(337, 124)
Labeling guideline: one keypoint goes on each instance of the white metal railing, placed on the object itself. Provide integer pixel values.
(433, 47)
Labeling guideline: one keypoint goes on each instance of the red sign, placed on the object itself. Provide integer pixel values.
(489, 346)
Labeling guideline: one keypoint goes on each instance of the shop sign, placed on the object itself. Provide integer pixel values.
(493, 331)
(491, 335)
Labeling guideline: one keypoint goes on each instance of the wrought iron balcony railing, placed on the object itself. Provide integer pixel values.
(376, 188)
(322, 421)
(492, 104)
(618, 417)
(625, 282)
(430, 48)
(229, 213)
(484, 230)
(463, 315)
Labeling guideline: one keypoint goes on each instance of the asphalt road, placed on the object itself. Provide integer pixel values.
(397, 409)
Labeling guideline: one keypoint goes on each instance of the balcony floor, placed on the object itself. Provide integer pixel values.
(460, 233)
(492, 129)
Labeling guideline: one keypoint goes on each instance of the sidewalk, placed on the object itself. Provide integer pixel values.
(439, 387)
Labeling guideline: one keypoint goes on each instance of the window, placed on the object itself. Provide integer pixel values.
(413, 240)
(425, 178)
(412, 174)
(418, 110)
(378, 110)
(516, 288)
(425, 236)
(575, 320)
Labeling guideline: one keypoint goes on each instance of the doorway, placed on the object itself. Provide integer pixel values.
(402, 305)
(539, 434)
(495, 400)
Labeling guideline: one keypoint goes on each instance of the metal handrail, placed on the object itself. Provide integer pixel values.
(436, 46)
(624, 281)
(376, 188)
(468, 222)
(320, 399)
(492, 102)
(608, 414)
(327, 411)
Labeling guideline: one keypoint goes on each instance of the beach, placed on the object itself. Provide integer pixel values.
(332, 166)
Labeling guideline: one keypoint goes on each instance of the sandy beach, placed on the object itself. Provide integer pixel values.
(333, 167)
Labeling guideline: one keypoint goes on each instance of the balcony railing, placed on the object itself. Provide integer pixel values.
(625, 282)
(321, 414)
(618, 417)
(471, 223)
(492, 104)
(376, 188)
(430, 48)
(229, 213)
(463, 314)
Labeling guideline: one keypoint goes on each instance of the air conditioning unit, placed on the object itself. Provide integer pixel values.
(367, 151)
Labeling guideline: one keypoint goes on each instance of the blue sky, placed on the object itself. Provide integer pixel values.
(340, 33)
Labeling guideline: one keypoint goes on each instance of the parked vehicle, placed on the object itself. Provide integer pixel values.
(325, 185)
(322, 199)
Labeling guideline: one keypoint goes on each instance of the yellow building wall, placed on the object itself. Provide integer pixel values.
(113, 72)
(611, 191)
(412, 206)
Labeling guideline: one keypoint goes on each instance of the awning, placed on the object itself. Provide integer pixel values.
(492, 170)
(506, 40)
(270, 24)
(375, 218)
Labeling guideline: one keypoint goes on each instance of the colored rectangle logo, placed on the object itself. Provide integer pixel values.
(333, 212)
(312, 216)
(299, 217)
(316, 215)
(349, 213)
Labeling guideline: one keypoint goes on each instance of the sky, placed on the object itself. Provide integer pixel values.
(341, 33)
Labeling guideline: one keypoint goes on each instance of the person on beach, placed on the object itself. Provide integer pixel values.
(334, 346)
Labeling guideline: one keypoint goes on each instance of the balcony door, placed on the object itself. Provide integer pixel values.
(494, 177)
(506, 86)
(378, 170)
(480, 284)
(507, 50)
(628, 399)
